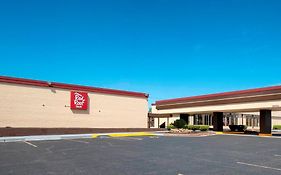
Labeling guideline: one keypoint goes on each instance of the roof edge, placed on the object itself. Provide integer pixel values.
(40, 83)
(222, 94)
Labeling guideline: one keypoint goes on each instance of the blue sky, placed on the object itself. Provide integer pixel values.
(167, 48)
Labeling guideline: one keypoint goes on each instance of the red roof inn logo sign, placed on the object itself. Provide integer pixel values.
(78, 100)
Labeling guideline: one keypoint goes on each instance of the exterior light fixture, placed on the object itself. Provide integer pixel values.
(49, 84)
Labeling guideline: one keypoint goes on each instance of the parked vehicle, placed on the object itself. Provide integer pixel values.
(239, 128)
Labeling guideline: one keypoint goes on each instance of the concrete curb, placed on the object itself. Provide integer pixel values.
(248, 135)
(134, 134)
(219, 133)
(76, 136)
(276, 130)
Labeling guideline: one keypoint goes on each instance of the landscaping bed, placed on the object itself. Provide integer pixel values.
(180, 128)
(188, 133)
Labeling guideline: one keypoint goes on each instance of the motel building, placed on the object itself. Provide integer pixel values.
(31, 107)
(259, 109)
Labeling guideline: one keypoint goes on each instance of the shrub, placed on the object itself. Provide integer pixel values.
(276, 126)
(180, 123)
(204, 128)
(198, 127)
(189, 127)
(185, 126)
(193, 127)
(169, 127)
(240, 128)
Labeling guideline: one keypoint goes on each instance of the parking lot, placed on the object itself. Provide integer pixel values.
(218, 154)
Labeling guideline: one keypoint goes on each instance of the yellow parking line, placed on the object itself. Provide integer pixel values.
(135, 134)
(219, 132)
(131, 134)
(95, 135)
(230, 132)
(264, 135)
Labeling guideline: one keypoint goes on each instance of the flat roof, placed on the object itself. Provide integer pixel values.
(249, 95)
(23, 81)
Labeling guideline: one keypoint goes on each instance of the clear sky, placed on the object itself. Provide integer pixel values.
(167, 48)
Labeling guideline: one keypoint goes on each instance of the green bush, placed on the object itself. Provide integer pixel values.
(276, 126)
(198, 127)
(169, 127)
(193, 127)
(204, 127)
(185, 126)
(189, 127)
(180, 123)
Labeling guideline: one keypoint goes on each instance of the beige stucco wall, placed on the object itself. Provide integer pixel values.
(30, 106)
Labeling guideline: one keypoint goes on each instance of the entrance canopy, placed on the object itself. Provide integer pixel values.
(252, 100)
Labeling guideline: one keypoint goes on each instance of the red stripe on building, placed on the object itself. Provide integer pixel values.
(30, 82)
(220, 95)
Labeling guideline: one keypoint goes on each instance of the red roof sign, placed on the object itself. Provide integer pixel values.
(78, 100)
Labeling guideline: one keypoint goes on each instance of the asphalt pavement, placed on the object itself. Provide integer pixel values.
(220, 154)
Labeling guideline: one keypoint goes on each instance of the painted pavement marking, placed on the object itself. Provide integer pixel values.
(259, 166)
(30, 144)
(154, 137)
(79, 141)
